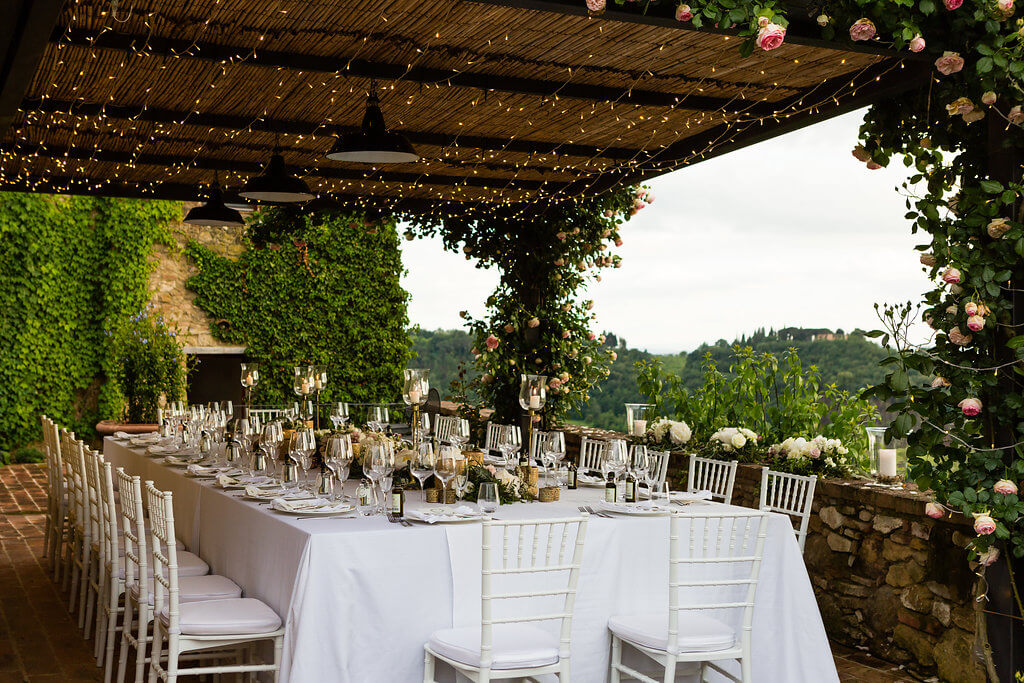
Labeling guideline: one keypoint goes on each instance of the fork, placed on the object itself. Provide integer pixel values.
(592, 511)
(398, 520)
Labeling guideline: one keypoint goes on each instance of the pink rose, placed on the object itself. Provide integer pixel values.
(951, 275)
(613, 355)
(934, 510)
(1015, 115)
(972, 116)
(559, 261)
(917, 43)
(554, 383)
(596, 6)
(815, 452)
(683, 13)
(560, 235)
(509, 328)
(533, 322)
(1005, 487)
(975, 323)
(927, 260)
(650, 198)
(609, 213)
(988, 98)
(863, 29)
(970, 406)
(491, 342)
(971, 308)
(988, 558)
(952, 4)
(770, 36)
(762, 21)
(960, 106)
(566, 334)
(861, 154)
(823, 20)
(491, 469)
(487, 378)
(959, 338)
(949, 62)
(873, 165)
(997, 227)
(618, 242)
(1005, 6)
(984, 524)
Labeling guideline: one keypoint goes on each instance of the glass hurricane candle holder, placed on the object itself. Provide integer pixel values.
(250, 375)
(638, 415)
(886, 463)
(416, 386)
(319, 375)
(533, 392)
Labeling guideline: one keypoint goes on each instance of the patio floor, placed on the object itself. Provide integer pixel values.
(40, 642)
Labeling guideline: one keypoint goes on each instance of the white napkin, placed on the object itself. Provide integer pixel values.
(226, 480)
(590, 478)
(688, 496)
(434, 517)
(201, 471)
(122, 435)
(308, 504)
(145, 439)
(269, 493)
(630, 508)
(176, 461)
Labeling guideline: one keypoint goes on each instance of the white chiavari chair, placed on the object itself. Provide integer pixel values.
(56, 516)
(790, 494)
(270, 413)
(591, 451)
(536, 561)
(716, 476)
(137, 567)
(445, 425)
(111, 584)
(97, 555)
(204, 625)
(66, 440)
(659, 465)
(81, 547)
(494, 431)
(714, 563)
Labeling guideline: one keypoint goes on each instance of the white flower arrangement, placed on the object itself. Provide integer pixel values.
(668, 432)
(733, 439)
(828, 451)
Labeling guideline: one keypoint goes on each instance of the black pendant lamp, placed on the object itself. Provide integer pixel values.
(373, 143)
(214, 212)
(276, 185)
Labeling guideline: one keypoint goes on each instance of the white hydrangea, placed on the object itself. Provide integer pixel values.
(679, 433)
(733, 438)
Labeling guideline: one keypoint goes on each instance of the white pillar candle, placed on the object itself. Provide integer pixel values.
(887, 462)
(318, 384)
(414, 396)
(639, 427)
(534, 402)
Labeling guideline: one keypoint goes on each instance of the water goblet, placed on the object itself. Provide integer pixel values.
(487, 498)
(446, 466)
(422, 464)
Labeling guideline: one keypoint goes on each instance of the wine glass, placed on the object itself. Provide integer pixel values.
(654, 464)
(615, 460)
(422, 464)
(378, 418)
(303, 445)
(380, 463)
(339, 415)
(487, 498)
(553, 448)
(461, 482)
(366, 498)
(445, 466)
(508, 443)
(639, 465)
(460, 433)
(338, 455)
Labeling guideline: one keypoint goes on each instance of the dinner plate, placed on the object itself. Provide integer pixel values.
(632, 509)
(590, 480)
(322, 511)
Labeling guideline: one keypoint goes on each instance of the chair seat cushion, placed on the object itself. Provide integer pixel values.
(697, 632)
(189, 564)
(240, 616)
(196, 588)
(515, 646)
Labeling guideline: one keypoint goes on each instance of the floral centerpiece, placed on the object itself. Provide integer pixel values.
(732, 442)
(665, 434)
(511, 488)
(819, 455)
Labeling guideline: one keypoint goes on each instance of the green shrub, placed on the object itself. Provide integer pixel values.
(24, 455)
(149, 365)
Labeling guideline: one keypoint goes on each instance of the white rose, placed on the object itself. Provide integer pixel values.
(679, 433)
(738, 440)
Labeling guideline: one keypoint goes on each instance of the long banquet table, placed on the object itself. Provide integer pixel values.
(360, 596)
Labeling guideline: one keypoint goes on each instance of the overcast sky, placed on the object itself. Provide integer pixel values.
(793, 231)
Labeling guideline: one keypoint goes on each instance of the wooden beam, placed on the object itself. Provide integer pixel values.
(408, 177)
(199, 50)
(297, 127)
(663, 15)
(23, 41)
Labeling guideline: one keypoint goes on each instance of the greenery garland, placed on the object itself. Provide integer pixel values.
(537, 323)
(308, 292)
(73, 270)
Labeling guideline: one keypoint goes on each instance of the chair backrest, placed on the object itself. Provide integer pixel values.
(542, 556)
(54, 464)
(78, 493)
(717, 476)
(271, 413)
(133, 523)
(790, 494)
(165, 554)
(108, 506)
(94, 509)
(715, 558)
(659, 464)
(494, 430)
(591, 451)
(536, 442)
(444, 427)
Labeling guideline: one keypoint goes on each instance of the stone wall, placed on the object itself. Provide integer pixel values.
(173, 268)
(888, 579)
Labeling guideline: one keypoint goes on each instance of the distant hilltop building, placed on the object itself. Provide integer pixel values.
(809, 334)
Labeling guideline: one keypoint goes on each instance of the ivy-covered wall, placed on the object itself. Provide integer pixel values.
(306, 292)
(72, 271)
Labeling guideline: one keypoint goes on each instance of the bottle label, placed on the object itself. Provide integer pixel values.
(396, 503)
(572, 479)
(609, 494)
(364, 495)
(630, 491)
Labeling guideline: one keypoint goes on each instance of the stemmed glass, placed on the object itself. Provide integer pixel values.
(553, 449)
(639, 464)
(460, 433)
(422, 464)
(614, 460)
(339, 415)
(508, 443)
(338, 456)
(303, 445)
(380, 462)
(446, 466)
(378, 418)
(654, 463)
(270, 439)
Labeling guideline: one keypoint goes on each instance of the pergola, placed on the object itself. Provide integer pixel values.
(506, 101)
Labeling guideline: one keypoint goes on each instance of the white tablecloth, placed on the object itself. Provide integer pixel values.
(360, 596)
